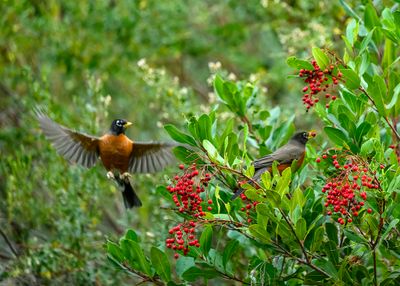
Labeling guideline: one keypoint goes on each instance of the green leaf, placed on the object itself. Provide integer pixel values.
(259, 232)
(371, 19)
(179, 136)
(354, 237)
(206, 239)
(377, 91)
(135, 256)
(352, 81)
(351, 32)
(297, 199)
(204, 128)
(193, 273)
(131, 234)
(229, 250)
(362, 130)
(115, 251)
(365, 42)
(266, 180)
(328, 267)
(349, 10)
(185, 155)
(282, 185)
(320, 57)
(336, 135)
(274, 198)
(318, 238)
(391, 225)
(299, 64)
(332, 232)
(346, 123)
(212, 151)
(331, 251)
(161, 263)
(301, 228)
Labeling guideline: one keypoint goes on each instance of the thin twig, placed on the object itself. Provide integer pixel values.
(386, 119)
(8, 242)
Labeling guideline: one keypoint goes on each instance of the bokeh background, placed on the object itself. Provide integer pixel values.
(151, 62)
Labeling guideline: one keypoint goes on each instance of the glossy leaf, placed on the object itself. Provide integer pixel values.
(352, 81)
(229, 250)
(337, 136)
(135, 256)
(194, 273)
(179, 136)
(206, 239)
(299, 64)
(321, 58)
(161, 264)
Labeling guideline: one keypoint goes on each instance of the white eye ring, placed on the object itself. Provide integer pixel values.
(119, 123)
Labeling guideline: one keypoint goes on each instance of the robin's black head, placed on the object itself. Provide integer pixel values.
(118, 126)
(302, 137)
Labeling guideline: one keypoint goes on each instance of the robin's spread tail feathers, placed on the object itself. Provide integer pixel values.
(128, 193)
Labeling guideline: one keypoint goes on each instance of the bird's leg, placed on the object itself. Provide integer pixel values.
(125, 176)
(110, 175)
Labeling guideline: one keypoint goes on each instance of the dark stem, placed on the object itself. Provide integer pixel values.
(295, 235)
(375, 275)
(385, 117)
(8, 242)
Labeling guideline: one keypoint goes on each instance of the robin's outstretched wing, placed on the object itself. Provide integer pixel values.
(285, 154)
(74, 146)
(150, 157)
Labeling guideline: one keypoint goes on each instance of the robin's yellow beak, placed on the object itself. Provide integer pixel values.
(312, 134)
(127, 124)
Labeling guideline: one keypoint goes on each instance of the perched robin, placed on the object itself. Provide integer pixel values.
(285, 155)
(119, 155)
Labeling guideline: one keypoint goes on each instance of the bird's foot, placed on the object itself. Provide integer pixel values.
(125, 176)
(110, 175)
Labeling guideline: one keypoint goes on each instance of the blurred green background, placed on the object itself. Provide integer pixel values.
(151, 62)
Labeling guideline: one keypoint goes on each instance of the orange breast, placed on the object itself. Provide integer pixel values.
(115, 152)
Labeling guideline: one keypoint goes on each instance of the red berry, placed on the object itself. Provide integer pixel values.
(209, 208)
(324, 156)
(210, 202)
(369, 211)
(181, 166)
(318, 160)
(176, 255)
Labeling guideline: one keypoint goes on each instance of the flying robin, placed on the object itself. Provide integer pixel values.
(119, 155)
(285, 155)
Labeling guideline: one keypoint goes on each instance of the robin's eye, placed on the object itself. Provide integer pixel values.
(119, 123)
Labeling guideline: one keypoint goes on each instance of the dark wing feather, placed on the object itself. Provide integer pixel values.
(285, 154)
(150, 157)
(74, 146)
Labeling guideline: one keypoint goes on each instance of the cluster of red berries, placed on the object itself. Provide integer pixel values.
(346, 191)
(318, 81)
(187, 190)
(248, 207)
(183, 237)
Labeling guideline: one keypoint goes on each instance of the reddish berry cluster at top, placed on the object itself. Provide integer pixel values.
(345, 193)
(187, 190)
(318, 81)
(186, 196)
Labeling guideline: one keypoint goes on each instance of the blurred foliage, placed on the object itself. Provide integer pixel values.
(152, 62)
